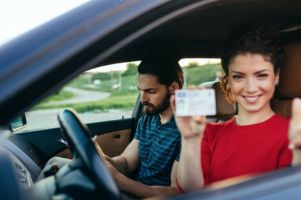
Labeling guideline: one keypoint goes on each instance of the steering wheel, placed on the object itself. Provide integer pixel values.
(78, 135)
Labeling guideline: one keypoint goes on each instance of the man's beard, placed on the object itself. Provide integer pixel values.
(150, 109)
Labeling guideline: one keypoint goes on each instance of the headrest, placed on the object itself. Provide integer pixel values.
(290, 73)
(224, 109)
(282, 107)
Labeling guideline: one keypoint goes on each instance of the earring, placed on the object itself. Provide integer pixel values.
(276, 82)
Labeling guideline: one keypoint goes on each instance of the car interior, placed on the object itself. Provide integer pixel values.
(37, 161)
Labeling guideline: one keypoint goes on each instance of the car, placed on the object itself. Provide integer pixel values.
(40, 62)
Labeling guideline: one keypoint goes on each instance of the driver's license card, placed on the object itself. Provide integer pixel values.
(195, 102)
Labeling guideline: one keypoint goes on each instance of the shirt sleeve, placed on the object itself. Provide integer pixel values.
(139, 128)
(178, 149)
(206, 156)
(285, 156)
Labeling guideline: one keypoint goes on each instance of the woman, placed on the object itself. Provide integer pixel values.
(256, 140)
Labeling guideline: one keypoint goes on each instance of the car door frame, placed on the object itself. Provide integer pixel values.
(34, 148)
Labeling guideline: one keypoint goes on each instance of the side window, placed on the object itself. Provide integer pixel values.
(201, 70)
(101, 94)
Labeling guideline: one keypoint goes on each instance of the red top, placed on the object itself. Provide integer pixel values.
(230, 150)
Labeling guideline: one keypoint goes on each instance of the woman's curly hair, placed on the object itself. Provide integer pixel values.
(263, 40)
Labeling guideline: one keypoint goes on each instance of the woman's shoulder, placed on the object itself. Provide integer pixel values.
(220, 125)
(214, 129)
(279, 120)
(225, 123)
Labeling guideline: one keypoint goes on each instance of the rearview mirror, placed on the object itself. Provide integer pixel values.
(18, 123)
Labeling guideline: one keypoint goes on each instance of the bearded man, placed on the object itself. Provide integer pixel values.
(154, 151)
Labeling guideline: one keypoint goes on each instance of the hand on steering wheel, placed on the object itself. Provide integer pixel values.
(81, 145)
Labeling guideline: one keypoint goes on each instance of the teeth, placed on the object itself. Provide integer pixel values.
(251, 99)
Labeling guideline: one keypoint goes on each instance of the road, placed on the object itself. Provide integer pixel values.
(81, 96)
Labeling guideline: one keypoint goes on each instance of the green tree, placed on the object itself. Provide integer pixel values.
(193, 64)
(131, 69)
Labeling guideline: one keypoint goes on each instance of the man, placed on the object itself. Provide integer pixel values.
(154, 152)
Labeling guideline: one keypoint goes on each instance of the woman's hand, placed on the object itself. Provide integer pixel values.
(295, 131)
(189, 126)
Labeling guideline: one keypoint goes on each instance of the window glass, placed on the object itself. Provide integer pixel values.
(102, 94)
(109, 92)
(201, 70)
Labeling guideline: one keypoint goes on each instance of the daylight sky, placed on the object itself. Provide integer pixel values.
(18, 16)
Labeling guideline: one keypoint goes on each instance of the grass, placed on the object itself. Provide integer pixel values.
(114, 102)
(61, 95)
(123, 100)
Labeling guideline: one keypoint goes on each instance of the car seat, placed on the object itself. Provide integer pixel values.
(289, 85)
(10, 186)
(224, 109)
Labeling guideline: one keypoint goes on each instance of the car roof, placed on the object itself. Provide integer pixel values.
(210, 24)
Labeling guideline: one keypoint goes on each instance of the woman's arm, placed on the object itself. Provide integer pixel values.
(189, 173)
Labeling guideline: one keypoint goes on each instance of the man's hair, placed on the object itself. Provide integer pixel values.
(166, 71)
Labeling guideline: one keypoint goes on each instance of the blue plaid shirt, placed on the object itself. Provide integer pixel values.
(159, 147)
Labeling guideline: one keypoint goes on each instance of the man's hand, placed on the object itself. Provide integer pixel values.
(107, 161)
(295, 131)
